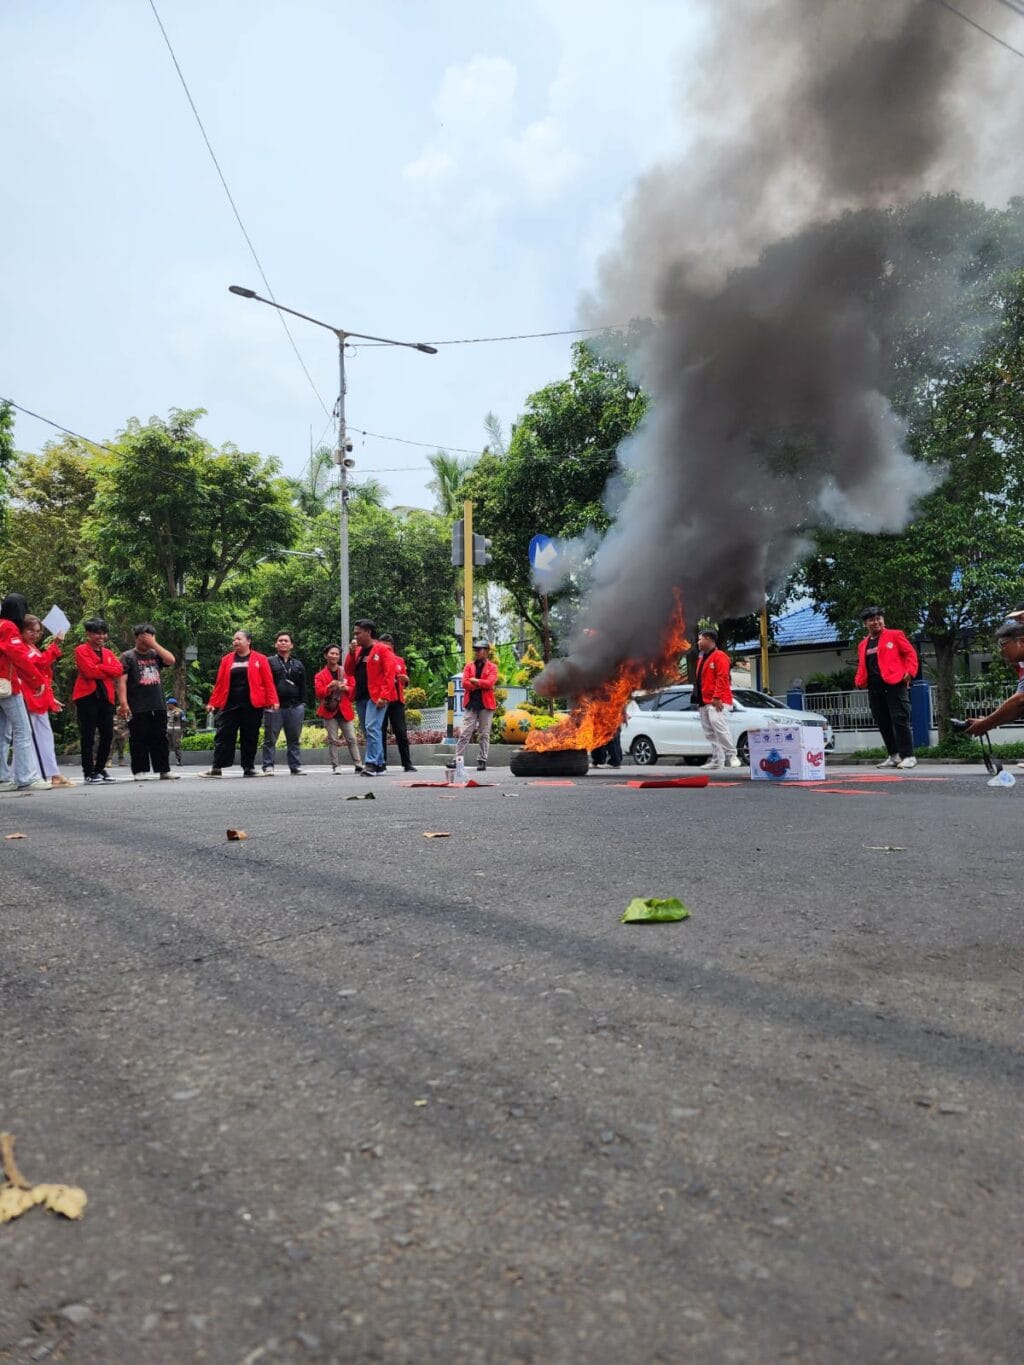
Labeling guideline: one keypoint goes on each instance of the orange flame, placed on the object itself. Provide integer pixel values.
(596, 715)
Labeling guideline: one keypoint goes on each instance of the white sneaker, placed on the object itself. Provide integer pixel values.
(891, 762)
(910, 762)
(39, 785)
(711, 765)
(7, 786)
(733, 762)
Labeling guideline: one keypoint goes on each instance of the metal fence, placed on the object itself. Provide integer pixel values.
(850, 710)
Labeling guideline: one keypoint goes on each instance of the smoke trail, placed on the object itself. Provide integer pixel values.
(778, 259)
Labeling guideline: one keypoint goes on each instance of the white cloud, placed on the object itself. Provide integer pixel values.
(544, 163)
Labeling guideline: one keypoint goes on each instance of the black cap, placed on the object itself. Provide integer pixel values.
(871, 611)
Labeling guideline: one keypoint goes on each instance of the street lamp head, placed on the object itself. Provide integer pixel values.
(241, 290)
(427, 350)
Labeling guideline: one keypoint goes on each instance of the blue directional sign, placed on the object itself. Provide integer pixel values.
(543, 554)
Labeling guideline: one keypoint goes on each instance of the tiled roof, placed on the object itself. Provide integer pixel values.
(805, 626)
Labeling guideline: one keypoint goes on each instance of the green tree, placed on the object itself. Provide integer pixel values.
(400, 575)
(553, 476)
(316, 490)
(177, 525)
(7, 454)
(44, 554)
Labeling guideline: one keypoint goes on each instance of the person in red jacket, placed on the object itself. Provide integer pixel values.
(243, 691)
(712, 692)
(479, 701)
(41, 704)
(331, 686)
(395, 714)
(19, 675)
(93, 695)
(886, 664)
(371, 666)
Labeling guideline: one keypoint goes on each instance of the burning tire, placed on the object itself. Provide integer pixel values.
(549, 763)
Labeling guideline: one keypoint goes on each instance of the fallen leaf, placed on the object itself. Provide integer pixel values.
(654, 911)
(436, 834)
(17, 1195)
(885, 848)
(419, 1103)
(236, 834)
(15, 836)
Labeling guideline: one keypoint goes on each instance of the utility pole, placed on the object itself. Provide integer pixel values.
(467, 580)
(344, 461)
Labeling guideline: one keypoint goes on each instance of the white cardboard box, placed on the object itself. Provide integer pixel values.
(787, 753)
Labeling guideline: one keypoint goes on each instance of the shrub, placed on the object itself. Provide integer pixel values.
(413, 717)
(545, 722)
(415, 696)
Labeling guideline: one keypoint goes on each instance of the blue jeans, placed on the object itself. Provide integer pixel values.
(372, 720)
(16, 730)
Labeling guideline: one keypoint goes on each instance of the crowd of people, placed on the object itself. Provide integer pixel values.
(121, 696)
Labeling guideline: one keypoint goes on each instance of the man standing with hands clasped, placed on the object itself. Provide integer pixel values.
(290, 681)
(887, 662)
(478, 681)
(712, 692)
(140, 701)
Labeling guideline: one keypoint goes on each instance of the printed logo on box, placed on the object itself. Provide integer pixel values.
(774, 764)
(816, 760)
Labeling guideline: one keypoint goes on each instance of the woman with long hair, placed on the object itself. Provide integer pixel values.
(332, 689)
(40, 706)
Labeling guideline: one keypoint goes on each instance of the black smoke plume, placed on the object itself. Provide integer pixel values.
(778, 258)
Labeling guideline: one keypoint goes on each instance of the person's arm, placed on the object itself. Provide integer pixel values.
(112, 667)
(908, 657)
(721, 667)
(121, 687)
(88, 665)
(164, 655)
(264, 666)
(861, 676)
(322, 683)
(1011, 709)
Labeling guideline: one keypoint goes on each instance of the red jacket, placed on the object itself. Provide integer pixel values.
(486, 683)
(400, 669)
(713, 671)
(380, 672)
(44, 659)
(262, 692)
(16, 660)
(92, 670)
(321, 686)
(896, 658)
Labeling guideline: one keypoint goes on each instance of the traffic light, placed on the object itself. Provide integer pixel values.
(481, 549)
(458, 544)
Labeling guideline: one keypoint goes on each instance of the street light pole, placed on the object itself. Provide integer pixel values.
(342, 456)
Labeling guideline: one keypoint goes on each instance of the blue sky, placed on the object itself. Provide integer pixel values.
(422, 171)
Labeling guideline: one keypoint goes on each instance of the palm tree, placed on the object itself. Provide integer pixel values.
(370, 491)
(315, 490)
(450, 474)
(496, 445)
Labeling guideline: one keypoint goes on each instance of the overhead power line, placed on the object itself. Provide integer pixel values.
(974, 24)
(522, 336)
(234, 206)
(403, 441)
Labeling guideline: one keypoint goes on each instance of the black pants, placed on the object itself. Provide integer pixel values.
(95, 731)
(394, 717)
(890, 708)
(147, 742)
(610, 753)
(239, 724)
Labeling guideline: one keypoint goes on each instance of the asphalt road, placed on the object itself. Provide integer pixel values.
(342, 1093)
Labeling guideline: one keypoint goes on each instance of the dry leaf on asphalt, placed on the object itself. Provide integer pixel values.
(236, 834)
(17, 1195)
(15, 836)
(436, 834)
(885, 848)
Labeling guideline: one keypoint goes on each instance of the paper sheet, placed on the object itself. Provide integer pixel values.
(55, 621)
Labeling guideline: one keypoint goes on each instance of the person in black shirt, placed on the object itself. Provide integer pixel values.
(140, 698)
(290, 681)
